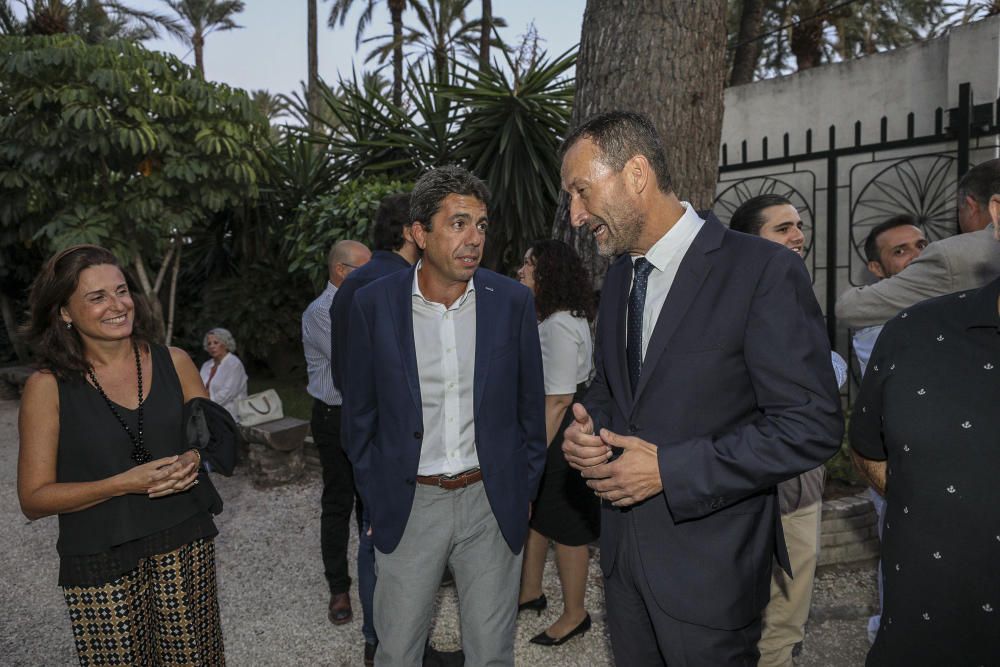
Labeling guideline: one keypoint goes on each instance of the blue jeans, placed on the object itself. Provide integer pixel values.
(366, 579)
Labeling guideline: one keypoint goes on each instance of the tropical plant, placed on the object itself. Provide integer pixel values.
(774, 37)
(120, 146)
(347, 212)
(93, 20)
(338, 16)
(199, 18)
(511, 128)
(443, 31)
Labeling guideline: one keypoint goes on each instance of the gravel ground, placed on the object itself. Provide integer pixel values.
(273, 595)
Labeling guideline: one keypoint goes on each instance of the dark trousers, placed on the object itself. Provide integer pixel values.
(644, 636)
(339, 496)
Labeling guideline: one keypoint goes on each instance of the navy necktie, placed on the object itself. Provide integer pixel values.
(636, 301)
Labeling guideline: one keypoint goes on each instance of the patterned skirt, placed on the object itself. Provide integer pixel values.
(164, 612)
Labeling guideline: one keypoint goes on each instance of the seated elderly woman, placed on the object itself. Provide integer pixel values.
(223, 374)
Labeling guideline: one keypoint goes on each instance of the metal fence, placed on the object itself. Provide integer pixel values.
(848, 187)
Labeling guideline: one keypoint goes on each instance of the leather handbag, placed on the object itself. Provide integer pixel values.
(259, 408)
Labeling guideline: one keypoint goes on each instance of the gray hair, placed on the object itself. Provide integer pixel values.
(224, 337)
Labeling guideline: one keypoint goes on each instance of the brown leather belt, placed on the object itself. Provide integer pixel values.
(452, 482)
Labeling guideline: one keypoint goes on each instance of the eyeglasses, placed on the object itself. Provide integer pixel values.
(350, 266)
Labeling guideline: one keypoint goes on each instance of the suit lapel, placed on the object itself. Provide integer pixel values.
(484, 336)
(616, 367)
(402, 317)
(691, 273)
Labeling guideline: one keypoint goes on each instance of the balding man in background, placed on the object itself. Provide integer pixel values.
(338, 497)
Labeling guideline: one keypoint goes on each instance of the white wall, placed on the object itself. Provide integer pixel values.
(915, 79)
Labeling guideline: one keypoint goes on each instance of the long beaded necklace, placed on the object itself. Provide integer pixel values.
(139, 452)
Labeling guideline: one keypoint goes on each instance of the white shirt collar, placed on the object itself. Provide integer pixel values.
(675, 240)
(469, 288)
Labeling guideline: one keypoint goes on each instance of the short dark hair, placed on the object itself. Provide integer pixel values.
(748, 218)
(58, 346)
(561, 282)
(436, 184)
(392, 215)
(871, 241)
(981, 182)
(621, 135)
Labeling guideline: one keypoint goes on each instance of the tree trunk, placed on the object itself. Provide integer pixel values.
(747, 45)
(198, 43)
(677, 79)
(312, 92)
(396, 8)
(486, 32)
(173, 290)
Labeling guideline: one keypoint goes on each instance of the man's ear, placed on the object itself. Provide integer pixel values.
(419, 234)
(638, 173)
(408, 234)
(876, 268)
(994, 209)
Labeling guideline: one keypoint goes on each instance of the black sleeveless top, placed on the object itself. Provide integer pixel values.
(103, 542)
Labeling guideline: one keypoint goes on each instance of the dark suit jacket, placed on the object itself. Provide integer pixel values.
(738, 393)
(382, 263)
(382, 418)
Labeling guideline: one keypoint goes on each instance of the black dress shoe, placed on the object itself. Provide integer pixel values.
(340, 609)
(538, 604)
(544, 639)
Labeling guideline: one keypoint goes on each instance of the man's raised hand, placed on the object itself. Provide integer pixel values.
(581, 447)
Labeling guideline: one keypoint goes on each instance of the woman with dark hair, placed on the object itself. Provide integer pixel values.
(104, 444)
(565, 511)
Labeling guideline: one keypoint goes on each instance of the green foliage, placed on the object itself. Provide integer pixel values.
(511, 128)
(261, 304)
(505, 128)
(345, 213)
(117, 145)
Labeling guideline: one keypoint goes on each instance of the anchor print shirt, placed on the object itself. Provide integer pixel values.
(930, 406)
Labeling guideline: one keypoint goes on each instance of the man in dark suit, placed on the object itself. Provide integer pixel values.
(713, 383)
(444, 423)
(394, 250)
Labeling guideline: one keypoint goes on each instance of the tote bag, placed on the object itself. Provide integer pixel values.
(259, 408)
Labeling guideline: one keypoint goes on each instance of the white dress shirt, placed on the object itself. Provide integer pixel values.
(316, 345)
(567, 352)
(229, 384)
(445, 342)
(665, 255)
(864, 343)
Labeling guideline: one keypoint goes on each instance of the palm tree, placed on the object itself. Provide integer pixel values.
(312, 56)
(198, 18)
(93, 20)
(338, 15)
(442, 30)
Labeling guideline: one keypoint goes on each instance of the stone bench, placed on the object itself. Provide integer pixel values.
(848, 531)
(276, 450)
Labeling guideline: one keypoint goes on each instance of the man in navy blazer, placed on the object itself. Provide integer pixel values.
(445, 426)
(713, 384)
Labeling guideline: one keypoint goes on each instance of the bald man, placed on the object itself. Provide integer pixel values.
(338, 477)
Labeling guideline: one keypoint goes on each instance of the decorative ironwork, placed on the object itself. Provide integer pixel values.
(921, 186)
(733, 193)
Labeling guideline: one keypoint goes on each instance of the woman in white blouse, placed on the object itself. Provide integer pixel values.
(223, 374)
(565, 511)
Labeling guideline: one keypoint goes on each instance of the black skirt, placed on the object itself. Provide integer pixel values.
(566, 510)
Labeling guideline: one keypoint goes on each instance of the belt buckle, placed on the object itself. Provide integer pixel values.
(448, 478)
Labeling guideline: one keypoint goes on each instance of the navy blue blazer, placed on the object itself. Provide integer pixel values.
(382, 425)
(382, 263)
(738, 393)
